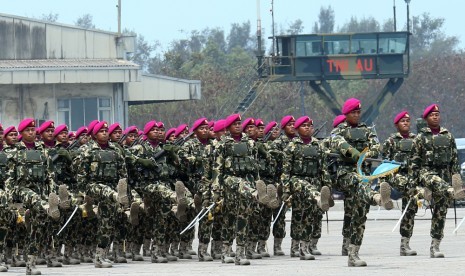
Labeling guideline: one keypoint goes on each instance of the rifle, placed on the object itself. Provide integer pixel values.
(69, 147)
(319, 129)
(268, 135)
(123, 137)
(177, 142)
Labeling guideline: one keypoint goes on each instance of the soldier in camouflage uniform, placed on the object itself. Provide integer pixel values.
(64, 175)
(305, 178)
(435, 165)
(8, 216)
(209, 160)
(153, 184)
(349, 139)
(278, 145)
(102, 171)
(191, 158)
(234, 175)
(29, 180)
(268, 173)
(398, 147)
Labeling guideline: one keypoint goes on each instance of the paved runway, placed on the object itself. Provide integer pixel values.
(380, 250)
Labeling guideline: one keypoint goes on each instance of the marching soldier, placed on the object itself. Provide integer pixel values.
(279, 144)
(435, 165)
(102, 170)
(234, 175)
(349, 139)
(305, 178)
(34, 190)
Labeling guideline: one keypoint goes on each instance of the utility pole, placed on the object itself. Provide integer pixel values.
(395, 21)
(119, 17)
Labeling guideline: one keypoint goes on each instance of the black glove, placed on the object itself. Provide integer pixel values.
(206, 202)
(64, 154)
(147, 163)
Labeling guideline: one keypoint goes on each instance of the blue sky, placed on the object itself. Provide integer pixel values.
(167, 20)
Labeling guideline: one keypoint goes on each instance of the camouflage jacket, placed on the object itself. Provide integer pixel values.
(434, 154)
(277, 147)
(4, 153)
(305, 161)
(96, 165)
(361, 137)
(208, 156)
(64, 172)
(191, 158)
(30, 169)
(398, 148)
(267, 158)
(234, 159)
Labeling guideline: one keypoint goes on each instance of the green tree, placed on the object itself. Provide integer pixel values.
(295, 28)
(326, 20)
(239, 36)
(364, 25)
(429, 39)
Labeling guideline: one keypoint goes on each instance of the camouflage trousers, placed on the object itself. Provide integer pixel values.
(358, 197)
(7, 219)
(108, 211)
(402, 183)
(237, 208)
(135, 233)
(440, 202)
(217, 225)
(161, 197)
(304, 207)
(37, 231)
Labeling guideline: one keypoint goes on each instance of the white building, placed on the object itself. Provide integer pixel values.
(72, 75)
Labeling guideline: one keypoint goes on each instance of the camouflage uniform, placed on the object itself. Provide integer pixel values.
(64, 175)
(191, 157)
(304, 175)
(29, 180)
(102, 171)
(434, 162)
(268, 172)
(357, 195)
(234, 173)
(7, 215)
(154, 186)
(279, 228)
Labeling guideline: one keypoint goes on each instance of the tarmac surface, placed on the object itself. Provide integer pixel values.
(380, 250)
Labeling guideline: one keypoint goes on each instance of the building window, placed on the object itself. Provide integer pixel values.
(77, 112)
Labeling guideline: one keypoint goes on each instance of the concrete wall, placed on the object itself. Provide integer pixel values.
(25, 38)
(24, 101)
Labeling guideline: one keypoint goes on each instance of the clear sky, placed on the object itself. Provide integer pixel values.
(167, 20)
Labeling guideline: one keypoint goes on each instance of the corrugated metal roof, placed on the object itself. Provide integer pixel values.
(63, 64)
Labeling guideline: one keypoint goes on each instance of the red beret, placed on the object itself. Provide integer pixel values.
(9, 129)
(211, 124)
(114, 127)
(140, 132)
(131, 129)
(180, 129)
(99, 126)
(71, 134)
(301, 120)
(219, 125)
(91, 126)
(29, 122)
(45, 125)
(403, 114)
(231, 119)
(246, 122)
(285, 120)
(259, 122)
(149, 125)
(199, 122)
(351, 105)
(81, 130)
(338, 120)
(160, 125)
(169, 132)
(429, 109)
(59, 129)
(270, 126)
